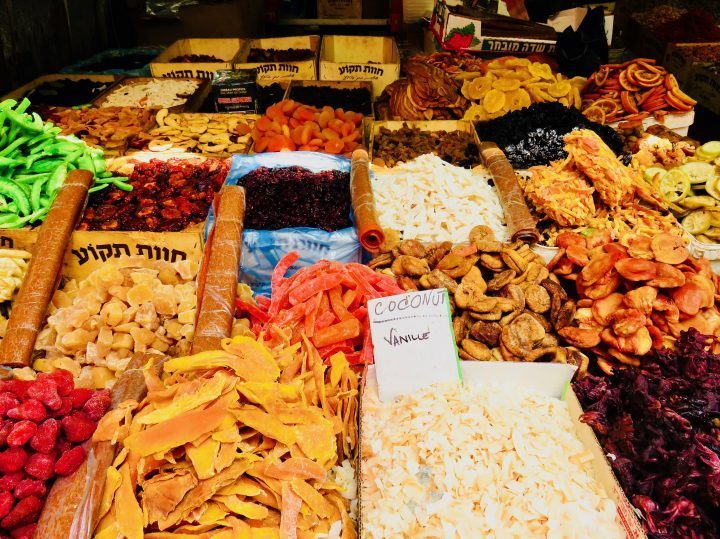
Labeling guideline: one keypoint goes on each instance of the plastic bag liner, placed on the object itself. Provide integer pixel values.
(132, 62)
(262, 249)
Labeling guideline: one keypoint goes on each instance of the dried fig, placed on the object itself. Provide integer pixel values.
(381, 261)
(456, 266)
(501, 279)
(476, 349)
(412, 248)
(437, 253)
(520, 336)
(410, 265)
(492, 262)
(437, 279)
(537, 298)
(514, 293)
(486, 332)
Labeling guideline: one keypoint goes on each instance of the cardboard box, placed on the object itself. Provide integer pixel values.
(339, 9)
(456, 31)
(274, 71)
(573, 17)
(19, 93)
(376, 59)
(90, 249)
(550, 379)
(227, 49)
(191, 104)
(425, 125)
(18, 238)
(679, 123)
(704, 85)
(338, 84)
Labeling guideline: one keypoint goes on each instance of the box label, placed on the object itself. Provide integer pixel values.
(189, 73)
(414, 342)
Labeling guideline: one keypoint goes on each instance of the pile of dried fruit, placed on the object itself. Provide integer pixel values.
(66, 92)
(166, 196)
(279, 55)
(456, 63)
(326, 303)
(278, 198)
(659, 423)
(511, 83)
(391, 147)
(634, 298)
(95, 326)
(592, 189)
(153, 93)
(506, 305)
(201, 133)
(113, 128)
(428, 93)
(695, 26)
(700, 53)
(13, 267)
(44, 424)
(633, 91)
(247, 440)
(534, 136)
(288, 125)
(195, 58)
(357, 99)
(656, 146)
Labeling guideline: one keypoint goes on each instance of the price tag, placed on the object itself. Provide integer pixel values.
(414, 342)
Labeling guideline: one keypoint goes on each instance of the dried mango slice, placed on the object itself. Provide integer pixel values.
(265, 394)
(506, 84)
(242, 487)
(494, 101)
(112, 483)
(296, 468)
(203, 457)
(165, 491)
(206, 391)
(250, 510)
(317, 441)
(314, 500)
(265, 424)
(291, 505)
(128, 513)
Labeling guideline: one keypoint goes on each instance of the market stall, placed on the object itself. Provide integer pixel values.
(318, 287)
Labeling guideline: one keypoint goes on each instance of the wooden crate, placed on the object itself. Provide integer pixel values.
(338, 84)
(227, 49)
(425, 125)
(275, 71)
(192, 104)
(375, 59)
(19, 93)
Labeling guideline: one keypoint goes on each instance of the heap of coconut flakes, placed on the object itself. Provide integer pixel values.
(489, 461)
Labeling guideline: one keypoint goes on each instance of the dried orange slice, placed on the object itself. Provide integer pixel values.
(559, 89)
(609, 106)
(602, 75)
(628, 102)
(595, 114)
(494, 101)
(646, 79)
(506, 85)
(626, 84)
(682, 96)
(671, 82)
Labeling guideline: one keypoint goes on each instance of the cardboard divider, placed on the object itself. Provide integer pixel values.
(43, 273)
(275, 71)
(226, 49)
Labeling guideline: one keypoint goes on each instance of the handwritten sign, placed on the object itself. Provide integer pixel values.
(413, 340)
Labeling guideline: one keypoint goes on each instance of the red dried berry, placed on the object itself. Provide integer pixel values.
(30, 487)
(40, 466)
(46, 436)
(63, 446)
(64, 381)
(78, 427)
(13, 459)
(19, 387)
(46, 392)
(24, 532)
(31, 409)
(70, 461)
(8, 401)
(65, 408)
(80, 396)
(5, 429)
(98, 404)
(11, 480)
(21, 433)
(6, 502)
(23, 513)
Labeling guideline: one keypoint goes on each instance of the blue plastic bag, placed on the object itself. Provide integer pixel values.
(143, 55)
(262, 249)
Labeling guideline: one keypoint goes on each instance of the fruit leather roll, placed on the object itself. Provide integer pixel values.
(521, 224)
(369, 231)
(218, 287)
(73, 503)
(30, 306)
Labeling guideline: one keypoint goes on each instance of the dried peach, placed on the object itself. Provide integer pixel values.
(667, 276)
(634, 269)
(603, 309)
(669, 249)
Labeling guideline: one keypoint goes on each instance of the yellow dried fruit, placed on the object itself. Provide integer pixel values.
(494, 101)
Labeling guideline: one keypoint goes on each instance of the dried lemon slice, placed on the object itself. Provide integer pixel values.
(675, 185)
(559, 89)
(494, 101)
(506, 85)
(697, 222)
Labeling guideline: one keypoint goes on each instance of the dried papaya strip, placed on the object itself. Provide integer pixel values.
(337, 305)
(252, 310)
(324, 320)
(312, 287)
(311, 310)
(343, 346)
(282, 268)
(347, 329)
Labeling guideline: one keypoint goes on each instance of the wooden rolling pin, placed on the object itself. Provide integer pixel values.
(368, 228)
(217, 291)
(521, 224)
(38, 287)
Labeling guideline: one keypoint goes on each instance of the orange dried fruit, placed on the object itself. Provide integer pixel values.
(634, 269)
(669, 249)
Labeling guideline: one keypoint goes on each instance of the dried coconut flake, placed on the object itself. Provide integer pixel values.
(488, 461)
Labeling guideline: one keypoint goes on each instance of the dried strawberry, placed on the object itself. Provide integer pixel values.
(11, 480)
(31, 409)
(70, 461)
(13, 459)
(63, 379)
(5, 429)
(8, 401)
(80, 396)
(40, 466)
(62, 446)
(45, 438)
(97, 405)
(6, 502)
(21, 433)
(19, 387)
(30, 487)
(46, 392)
(23, 513)
(24, 532)
(65, 408)
(78, 427)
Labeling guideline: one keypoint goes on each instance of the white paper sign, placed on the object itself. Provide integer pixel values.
(413, 340)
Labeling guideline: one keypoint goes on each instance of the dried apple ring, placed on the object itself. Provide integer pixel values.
(494, 101)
